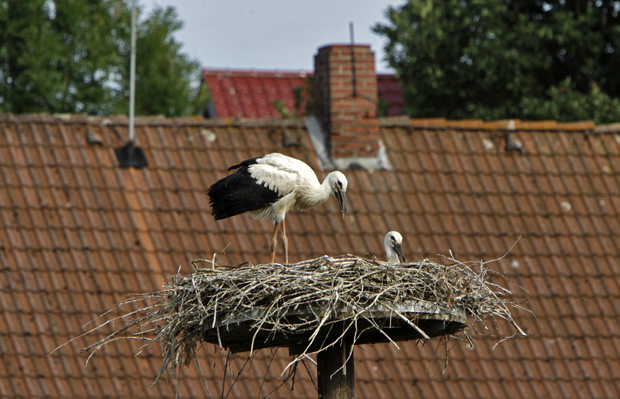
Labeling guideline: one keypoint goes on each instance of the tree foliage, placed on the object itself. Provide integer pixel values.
(66, 56)
(167, 81)
(498, 59)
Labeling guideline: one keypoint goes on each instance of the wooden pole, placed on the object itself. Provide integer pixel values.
(342, 384)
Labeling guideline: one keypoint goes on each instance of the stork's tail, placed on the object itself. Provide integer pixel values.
(238, 193)
(222, 200)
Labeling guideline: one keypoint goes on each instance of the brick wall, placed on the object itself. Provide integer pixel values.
(347, 112)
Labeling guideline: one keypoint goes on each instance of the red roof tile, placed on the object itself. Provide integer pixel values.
(79, 234)
(251, 94)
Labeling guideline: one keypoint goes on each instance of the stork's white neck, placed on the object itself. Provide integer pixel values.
(392, 256)
(311, 195)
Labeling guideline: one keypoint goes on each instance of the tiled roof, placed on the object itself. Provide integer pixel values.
(79, 234)
(250, 94)
(391, 91)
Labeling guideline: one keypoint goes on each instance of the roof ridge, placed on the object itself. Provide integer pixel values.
(156, 120)
(608, 128)
(507, 124)
(255, 72)
(428, 123)
(78, 118)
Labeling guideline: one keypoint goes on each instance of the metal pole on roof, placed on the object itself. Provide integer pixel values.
(131, 155)
(132, 74)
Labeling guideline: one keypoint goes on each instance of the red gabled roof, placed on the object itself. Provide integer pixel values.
(250, 94)
(391, 91)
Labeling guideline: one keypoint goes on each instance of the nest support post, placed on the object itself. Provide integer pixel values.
(335, 370)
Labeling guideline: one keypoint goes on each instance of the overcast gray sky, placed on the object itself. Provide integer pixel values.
(273, 34)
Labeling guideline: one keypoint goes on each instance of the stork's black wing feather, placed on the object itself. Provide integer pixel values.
(239, 192)
(245, 163)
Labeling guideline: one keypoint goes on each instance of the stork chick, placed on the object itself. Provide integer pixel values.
(269, 187)
(393, 247)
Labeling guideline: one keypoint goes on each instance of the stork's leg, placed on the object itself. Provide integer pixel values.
(274, 242)
(285, 242)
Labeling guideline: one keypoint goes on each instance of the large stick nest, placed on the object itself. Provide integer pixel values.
(301, 301)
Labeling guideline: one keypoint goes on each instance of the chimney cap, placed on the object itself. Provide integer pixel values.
(336, 45)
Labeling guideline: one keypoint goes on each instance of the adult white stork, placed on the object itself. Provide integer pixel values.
(269, 187)
(393, 247)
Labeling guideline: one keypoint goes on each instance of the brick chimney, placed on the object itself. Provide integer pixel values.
(345, 104)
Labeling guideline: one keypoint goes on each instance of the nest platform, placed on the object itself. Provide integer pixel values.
(311, 306)
(376, 324)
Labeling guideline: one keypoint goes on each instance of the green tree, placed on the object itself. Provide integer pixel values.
(22, 41)
(66, 56)
(60, 56)
(565, 102)
(496, 59)
(168, 82)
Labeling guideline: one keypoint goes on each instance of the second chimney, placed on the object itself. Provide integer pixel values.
(346, 101)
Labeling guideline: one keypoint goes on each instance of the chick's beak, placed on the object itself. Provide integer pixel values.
(341, 196)
(399, 251)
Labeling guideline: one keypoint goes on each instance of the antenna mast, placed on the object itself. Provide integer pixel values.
(132, 74)
(353, 78)
(131, 155)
